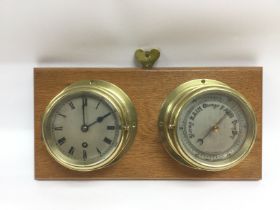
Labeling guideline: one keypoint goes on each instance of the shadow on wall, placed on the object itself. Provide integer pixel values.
(219, 45)
(200, 40)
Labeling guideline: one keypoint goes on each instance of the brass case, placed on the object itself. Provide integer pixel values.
(168, 122)
(115, 97)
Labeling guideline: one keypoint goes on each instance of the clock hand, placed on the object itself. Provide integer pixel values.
(99, 119)
(83, 108)
(212, 128)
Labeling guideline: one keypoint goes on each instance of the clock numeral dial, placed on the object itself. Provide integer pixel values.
(86, 118)
(82, 125)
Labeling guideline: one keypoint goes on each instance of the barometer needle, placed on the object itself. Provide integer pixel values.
(212, 128)
(221, 120)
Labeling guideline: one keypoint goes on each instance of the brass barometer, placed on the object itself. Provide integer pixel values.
(89, 125)
(207, 125)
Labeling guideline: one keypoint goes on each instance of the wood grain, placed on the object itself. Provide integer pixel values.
(147, 88)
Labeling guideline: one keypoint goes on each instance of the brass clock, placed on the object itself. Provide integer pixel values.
(89, 125)
(207, 125)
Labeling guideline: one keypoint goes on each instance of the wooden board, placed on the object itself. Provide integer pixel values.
(146, 159)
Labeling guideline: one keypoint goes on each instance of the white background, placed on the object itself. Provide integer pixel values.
(106, 33)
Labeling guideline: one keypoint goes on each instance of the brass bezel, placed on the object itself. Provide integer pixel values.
(168, 120)
(117, 98)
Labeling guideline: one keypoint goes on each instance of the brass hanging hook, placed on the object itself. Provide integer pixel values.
(147, 58)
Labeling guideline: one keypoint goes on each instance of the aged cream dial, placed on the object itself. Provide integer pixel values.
(89, 125)
(207, 125)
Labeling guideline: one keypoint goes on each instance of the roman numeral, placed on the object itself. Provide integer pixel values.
(97, 105)
(71, 150)
(71, 105)
(84, 154)
(58, 128)
(61, 141)
(110, 127)
(99, 152)
(108, 141)
(62, 115)
(84, 101)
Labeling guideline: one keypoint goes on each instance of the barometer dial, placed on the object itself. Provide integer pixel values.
(207, 125)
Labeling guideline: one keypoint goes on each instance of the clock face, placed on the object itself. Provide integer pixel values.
(212, 127)
(89, 125)
(85, 128)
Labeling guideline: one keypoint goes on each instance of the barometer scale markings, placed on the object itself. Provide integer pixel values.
(106, 140)
(61, 141)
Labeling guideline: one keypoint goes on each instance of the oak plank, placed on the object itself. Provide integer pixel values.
(147, 159)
